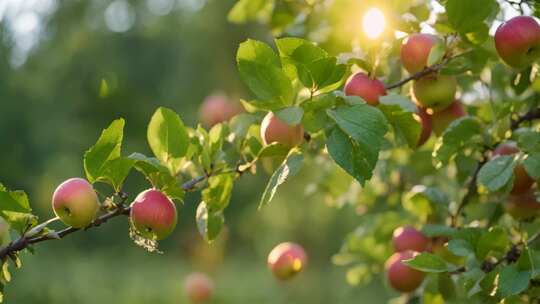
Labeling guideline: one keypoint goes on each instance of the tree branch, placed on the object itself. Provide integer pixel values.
(426, 71)
(121, 209)
(471, 188)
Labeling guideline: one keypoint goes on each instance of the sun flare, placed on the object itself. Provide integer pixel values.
(373, 23)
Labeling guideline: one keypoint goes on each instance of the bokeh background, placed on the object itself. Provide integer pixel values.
(67, 69)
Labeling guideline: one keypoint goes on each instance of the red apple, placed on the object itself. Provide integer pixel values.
(400, 276)
(426, 125)
(153, 214)
(415, 51)
(286, 260)
(198, 287)
(75, 202)
(408, 238)
(518, 41)
(523, 206)
(217, 108)
(442, 119)
(436, 92)
(369, 89)
(275, 130)
(522, 180)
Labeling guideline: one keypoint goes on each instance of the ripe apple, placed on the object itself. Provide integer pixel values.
(369, 89)
(400, 276)
(518, 41)
(153, 214)
(198, 287)
(442, 119)
(436, 92)
(523, 206)
(415, 51)
(408, 238)
(75, 202)
(217, 108)
(275, 130)
(286, 260)
(522, 180)
(426, 124)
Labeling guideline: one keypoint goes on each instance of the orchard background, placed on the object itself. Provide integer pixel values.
(340, 186)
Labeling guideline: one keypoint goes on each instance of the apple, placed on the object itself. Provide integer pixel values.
(426, 125)
(518, 41)
(415, 51)
(217, 108)
(436, 92)
(286, 260)
(522, 180)
(369, 89)
(442, 119)
(275, 130)
(408, 238)
(400, 276)
(198, 287)
(523, 206)
(153, 214)
(75, 202)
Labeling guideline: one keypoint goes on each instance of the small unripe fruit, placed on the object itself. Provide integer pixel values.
(369, 89)
(408, 238)
(75, 202)
(522, 181)
(198, 287)
(153, 215)
(442, 119)
(415, 51)
(217, 108)
(523, 206)
(426, 125)
(275, 130)
(436, 92)
(400, 276)
(518, 41)
(286, 260)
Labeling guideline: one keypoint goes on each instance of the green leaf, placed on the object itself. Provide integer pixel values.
(511, 281)
(433, 230)
(402, 120)
(107, 147)
(355, 145)
(466, 16)
(168, 138)
(218, 193)
(496, 240)
(496, 173)
(290, 167)
(532, 165)
(260, 70)
(529, 141)
(457, 136)
(251, 10)
(428, 262)
(147, 165)
(117, 170)
(436, 54)
(15, 209)
(273, 150)
(209, 223)
(423, 201)
(460, 247)
(291, 115)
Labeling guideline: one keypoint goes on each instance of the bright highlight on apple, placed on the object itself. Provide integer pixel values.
(373, 23)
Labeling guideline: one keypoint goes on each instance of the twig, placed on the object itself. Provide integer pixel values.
(471, 188)
(426, 71)
(121, 209)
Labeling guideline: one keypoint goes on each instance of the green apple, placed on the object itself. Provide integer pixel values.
(435, 92)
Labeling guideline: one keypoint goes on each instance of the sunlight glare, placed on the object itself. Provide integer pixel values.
(373, 23)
